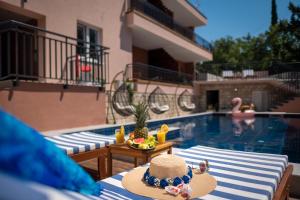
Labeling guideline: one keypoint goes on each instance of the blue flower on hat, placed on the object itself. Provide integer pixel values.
(151, 180)
(177, 181)
(146, 176)
(190, 172)
(186, 179)
(163, 183)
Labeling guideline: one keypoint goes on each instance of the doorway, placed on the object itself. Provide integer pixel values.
(212, 100)
(18, 48)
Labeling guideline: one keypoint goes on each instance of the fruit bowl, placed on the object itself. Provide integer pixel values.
(142, 144)
(137, 148)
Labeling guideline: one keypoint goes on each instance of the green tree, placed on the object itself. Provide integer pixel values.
(294, 28)
(274, 17)
(283, 38)
(280, 43)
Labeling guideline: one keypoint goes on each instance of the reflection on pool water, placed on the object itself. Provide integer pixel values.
(275, 135)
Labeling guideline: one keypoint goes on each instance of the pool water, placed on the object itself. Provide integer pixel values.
(265, 133)
(276, 135)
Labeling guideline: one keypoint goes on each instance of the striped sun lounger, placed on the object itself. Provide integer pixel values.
(84, 146)
(240, 175)
(75, 143)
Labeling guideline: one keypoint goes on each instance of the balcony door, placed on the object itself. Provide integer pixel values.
(88, 52)
(17, 48)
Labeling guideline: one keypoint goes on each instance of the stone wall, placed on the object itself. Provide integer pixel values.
(114, 117)
(258, 92)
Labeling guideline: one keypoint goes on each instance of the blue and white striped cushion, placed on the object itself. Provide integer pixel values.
(240, 175)
(81, 142)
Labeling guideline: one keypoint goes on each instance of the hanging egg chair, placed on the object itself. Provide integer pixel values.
(158, 101)
(122, 101)
(185, 101)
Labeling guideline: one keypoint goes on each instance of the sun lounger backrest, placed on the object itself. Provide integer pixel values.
(248, 72)
(81, 142)
(227, 73)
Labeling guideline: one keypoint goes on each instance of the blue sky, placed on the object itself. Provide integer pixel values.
(236, 18)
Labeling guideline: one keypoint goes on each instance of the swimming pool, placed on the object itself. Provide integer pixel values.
(265, 134)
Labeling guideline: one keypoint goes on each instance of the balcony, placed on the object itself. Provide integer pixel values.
(161, 17)
(140, 71)
(152, 28)
(34, 54)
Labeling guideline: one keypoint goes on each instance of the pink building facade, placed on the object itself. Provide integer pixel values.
(55, 77)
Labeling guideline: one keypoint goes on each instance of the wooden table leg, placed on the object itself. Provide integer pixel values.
(170, 150)
(101, 167)
(135, 161)
(146, 159)
(109, 164)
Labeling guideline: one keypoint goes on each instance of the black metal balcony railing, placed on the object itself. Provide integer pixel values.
(287, 73)
(285, 77)
(158, 15)
(31, 53)
(153, 73)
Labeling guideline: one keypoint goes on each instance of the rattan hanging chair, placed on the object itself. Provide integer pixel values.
(158, 101)
(121, 101)
(185, 101)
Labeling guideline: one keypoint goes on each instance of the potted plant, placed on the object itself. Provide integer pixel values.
(129, 87)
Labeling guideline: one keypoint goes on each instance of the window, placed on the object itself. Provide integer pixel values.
(88, 60)
(88, 41)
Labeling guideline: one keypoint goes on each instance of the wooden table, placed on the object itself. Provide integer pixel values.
(137, 154)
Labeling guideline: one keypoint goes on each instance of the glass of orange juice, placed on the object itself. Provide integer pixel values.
(161, 137)
(119, 137)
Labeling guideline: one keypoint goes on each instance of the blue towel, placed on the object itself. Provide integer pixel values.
(26, 154)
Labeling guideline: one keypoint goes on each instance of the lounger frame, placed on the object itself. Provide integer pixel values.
(283, 190)
(100, 154)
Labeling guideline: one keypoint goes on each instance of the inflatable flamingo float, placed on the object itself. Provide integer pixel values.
(236, 113)
(239, 117)
(237, 126)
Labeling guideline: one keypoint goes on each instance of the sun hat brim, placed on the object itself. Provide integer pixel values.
(201, 185)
